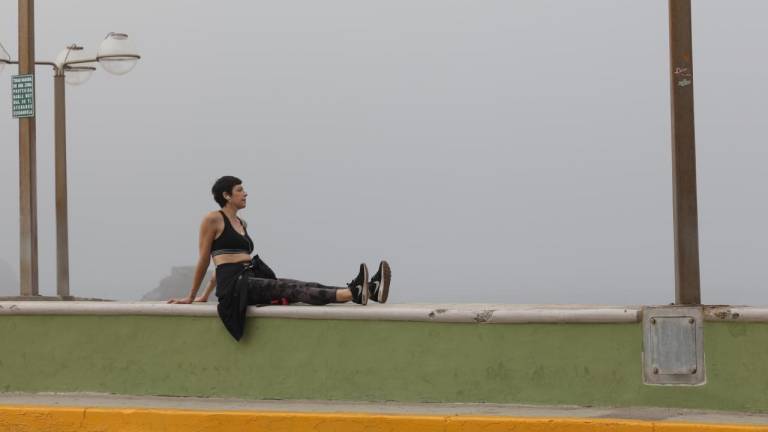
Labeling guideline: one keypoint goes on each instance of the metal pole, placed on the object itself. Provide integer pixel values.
(62, 226)
(27, 161)
(687, 285)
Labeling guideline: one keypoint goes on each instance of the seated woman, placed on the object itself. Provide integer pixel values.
(241, 280)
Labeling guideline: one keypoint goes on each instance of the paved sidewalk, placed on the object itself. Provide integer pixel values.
(82, 400)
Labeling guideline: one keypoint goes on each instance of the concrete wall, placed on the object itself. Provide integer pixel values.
(343, 357)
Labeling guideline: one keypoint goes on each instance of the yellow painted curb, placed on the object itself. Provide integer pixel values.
(43, 418)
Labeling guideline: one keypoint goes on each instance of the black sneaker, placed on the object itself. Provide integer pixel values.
(359, 286)
(379, 285)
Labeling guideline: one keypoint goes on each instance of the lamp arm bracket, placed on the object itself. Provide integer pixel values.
(93, 60)
(38, 63)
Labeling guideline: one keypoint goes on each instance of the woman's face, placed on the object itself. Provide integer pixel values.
(238, 197)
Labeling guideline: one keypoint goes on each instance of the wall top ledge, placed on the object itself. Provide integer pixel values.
(451, 313)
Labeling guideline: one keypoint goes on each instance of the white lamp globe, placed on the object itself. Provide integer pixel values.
(78, 73)
(117, 54)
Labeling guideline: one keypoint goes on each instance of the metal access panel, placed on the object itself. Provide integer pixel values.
(673, 345)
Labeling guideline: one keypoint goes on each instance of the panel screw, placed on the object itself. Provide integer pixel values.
(656, 370)
(653, 320)
(691, 320)
(693, 371)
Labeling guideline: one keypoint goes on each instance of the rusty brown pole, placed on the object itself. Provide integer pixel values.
(687, 285)
(62, 225)
(27, 160)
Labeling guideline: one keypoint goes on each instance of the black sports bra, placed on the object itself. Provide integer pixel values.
(231, 241)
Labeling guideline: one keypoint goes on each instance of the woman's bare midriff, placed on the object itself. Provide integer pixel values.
(231, 258)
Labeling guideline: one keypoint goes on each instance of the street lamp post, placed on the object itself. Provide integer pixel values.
(117, 56)
(28, 283)
(685, 210)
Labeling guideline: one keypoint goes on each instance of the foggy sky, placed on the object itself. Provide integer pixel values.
(492, 151)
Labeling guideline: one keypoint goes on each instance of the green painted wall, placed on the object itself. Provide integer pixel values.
(579, 364)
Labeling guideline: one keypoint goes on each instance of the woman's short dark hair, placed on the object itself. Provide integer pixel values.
(224, 185)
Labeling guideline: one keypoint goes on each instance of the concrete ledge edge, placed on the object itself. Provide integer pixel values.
(736, 313)
(449, 313)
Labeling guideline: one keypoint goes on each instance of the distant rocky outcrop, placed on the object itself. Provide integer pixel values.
(177, 284)
(9, 283)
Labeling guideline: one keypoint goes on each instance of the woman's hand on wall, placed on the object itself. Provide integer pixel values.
(183, 300)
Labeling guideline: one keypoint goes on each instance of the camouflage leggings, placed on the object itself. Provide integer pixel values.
(264, 291)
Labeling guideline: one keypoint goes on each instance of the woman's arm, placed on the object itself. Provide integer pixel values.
(207, 234)
(208, 289)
